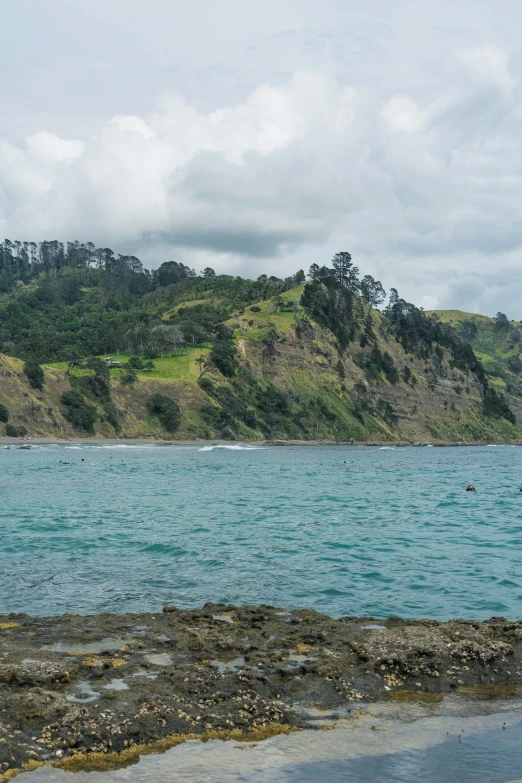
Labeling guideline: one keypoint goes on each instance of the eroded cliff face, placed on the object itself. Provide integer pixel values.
(439, 403)
(39, 411)
(42, 413)
(430, 399)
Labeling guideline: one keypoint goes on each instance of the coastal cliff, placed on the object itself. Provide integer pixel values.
(169, 354)
(301, 388)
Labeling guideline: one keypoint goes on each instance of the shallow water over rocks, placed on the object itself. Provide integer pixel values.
(457, 740)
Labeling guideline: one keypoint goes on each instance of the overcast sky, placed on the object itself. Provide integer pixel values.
(263, 137)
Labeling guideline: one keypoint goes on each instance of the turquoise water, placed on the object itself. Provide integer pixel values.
(391, 532)
(489, 757)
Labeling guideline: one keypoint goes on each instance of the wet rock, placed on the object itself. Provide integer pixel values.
(192, 673)
(34, 673)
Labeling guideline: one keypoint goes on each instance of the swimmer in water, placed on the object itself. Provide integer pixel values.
(471, 488)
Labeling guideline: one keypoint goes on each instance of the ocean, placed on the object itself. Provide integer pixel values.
(360, 531)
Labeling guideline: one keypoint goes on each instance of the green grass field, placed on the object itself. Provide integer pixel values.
(457, 316)
(253, 323)
(177, 368)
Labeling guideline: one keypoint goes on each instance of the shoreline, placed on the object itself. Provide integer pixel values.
(95, 441)
(99, 690)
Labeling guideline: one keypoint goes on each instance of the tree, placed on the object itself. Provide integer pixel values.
(299, 277)
(469, 330)
(224, 356)
(98, 384)
(372, 291)
(270, 338)
(78, 411)
(386, 412)
(72, 358)
(168, 336)
(368, 327)
(35, 375)
(4, 414)
(362, 392)
(501, 322)
(112, 415)
(394, 298)
(204, 365)
(389, 369)
(515, 363)
(166, 409)
(496, 406)
(172, 272)
(278, 303)
(13, 431)
(345, 273)
(128, 376)
(313, 272)
(208, 272)
(136, 362)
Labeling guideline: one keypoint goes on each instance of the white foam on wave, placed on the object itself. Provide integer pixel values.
(235, 447)
(127, 446)
(386, 448)
(116, 446)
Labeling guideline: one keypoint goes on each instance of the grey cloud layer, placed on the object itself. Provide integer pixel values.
(398, 140)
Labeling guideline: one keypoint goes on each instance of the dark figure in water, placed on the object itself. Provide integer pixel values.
(471, 488)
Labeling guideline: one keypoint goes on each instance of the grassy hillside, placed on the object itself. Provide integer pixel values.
(42, 413)
(328, 394)
(219, 356)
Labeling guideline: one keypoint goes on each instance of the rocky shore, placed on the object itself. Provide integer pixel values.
(85, 692)
(153, 441)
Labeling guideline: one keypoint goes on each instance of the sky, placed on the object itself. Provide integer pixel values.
(262, 138)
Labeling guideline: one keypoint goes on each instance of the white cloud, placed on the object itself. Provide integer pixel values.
(50, 148)
(402, 114)
(489, 65)
(130, 123)
(428, 302)
(250, 178)
(270, 150)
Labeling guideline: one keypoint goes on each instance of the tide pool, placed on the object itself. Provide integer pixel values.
(388, 532)
(450, 742)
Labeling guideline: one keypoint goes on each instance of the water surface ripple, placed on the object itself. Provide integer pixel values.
(392, 532)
